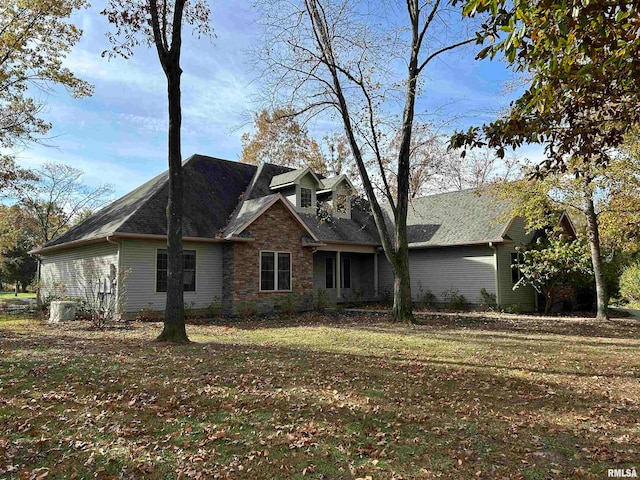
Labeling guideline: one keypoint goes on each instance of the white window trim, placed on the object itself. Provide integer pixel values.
(155, 271)
(275, 271)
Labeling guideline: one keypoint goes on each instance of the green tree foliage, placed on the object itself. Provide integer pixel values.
(17, 266)
(552, 265)
(17, 237)
(584, 94)
(630, 283)
(583, 98)
(35, 37)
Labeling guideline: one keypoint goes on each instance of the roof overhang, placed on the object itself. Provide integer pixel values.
(414, 246)
(565, 216)
(341, 178)
(303, 172)
(118, 236)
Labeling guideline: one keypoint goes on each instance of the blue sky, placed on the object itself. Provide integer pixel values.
(118, 135)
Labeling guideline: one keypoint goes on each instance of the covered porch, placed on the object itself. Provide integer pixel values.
(347, 273)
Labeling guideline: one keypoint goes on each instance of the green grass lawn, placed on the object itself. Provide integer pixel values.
(321, 397)
(10, 297)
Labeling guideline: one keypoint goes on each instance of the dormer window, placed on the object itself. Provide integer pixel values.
(305, 197)
(341, 203)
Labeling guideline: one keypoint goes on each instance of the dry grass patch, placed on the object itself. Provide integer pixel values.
(321, 397)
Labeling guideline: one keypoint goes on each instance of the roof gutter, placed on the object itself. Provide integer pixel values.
(480, 242)
(108, 238)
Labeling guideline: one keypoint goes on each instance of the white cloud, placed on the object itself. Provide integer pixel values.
(143, 123)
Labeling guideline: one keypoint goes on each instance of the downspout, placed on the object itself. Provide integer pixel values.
(119, 274)
(496, 275)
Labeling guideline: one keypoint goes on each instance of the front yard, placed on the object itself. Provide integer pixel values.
(321, 397)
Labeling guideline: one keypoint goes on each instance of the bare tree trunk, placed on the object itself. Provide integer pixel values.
(402, 306)
(174, 327)
(593, 235)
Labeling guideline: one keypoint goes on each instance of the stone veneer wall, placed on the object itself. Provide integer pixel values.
(275, 230)
(227, 278)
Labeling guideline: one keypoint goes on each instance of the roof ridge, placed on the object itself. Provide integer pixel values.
(438, 194)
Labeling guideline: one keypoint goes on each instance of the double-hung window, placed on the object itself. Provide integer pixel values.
(188, 270)
(305, 197)
(275, 271)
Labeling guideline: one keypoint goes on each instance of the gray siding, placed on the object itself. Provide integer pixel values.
(139, 260)
(65, 273)
(467, 269)
(305, 182)
(525, 297)
(361, 275)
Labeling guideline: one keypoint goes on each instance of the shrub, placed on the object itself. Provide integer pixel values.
(289, 303)
(248, 309)
(147, 314)
(215, 308)
(516, 309)
(425, 297)
(322, 300)
(487, 300)
(453, 300)
(630, 283)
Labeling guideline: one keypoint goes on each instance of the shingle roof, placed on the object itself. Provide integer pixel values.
(212, 190)
(246, 211)
(220, 196)
(455, 218)
(360, 228)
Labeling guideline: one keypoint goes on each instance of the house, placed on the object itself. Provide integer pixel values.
(269, 234)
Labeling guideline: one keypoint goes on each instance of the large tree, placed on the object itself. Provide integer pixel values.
(584, 94)
(58, 198)
(159, 24)
(35, 37)
(17, 237)
(334, 57)
(278, 137)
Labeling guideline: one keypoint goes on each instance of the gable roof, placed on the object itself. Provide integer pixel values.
(292, 176)
(214, 187)
(327, 184)
(464, 217)
(250, 210)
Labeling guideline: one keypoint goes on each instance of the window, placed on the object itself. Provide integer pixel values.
(275, 271)
(328, 272)
(188, 266)
(305, 197)
(516, 275)
(346, 273)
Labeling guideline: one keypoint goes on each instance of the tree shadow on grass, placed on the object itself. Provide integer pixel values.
(447, 417)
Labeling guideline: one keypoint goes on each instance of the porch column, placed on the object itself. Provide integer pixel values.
(338, 276)
(375, 275)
